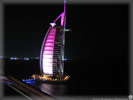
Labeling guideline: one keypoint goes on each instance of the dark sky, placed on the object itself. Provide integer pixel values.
(99, 32)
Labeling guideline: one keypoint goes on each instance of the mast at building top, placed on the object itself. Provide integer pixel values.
(65, 7)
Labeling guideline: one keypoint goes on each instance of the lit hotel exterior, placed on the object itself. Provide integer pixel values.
(52, 51)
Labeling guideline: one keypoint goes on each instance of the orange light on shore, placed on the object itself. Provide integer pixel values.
(50, 77)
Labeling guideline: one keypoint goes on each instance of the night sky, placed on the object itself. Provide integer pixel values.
(99, 32)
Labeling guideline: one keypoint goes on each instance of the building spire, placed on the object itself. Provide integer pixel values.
(64, 6)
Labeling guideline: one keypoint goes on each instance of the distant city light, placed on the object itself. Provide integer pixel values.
(67, 30)
(11, 58)
(25, 58)
(1, 57)
(65, 59)
(21, 58)
(37, 58)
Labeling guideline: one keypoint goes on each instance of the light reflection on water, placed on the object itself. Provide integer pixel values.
(53, 89)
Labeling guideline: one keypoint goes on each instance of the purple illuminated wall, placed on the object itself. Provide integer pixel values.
(48, 52)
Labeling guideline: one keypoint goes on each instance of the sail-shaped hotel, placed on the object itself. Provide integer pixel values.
(52, 51)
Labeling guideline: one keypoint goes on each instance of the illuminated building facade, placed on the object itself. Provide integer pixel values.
(52, 50)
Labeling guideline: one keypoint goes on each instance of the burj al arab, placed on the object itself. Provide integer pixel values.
(52, 51)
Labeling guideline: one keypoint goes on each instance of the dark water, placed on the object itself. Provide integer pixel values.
(86, 79)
